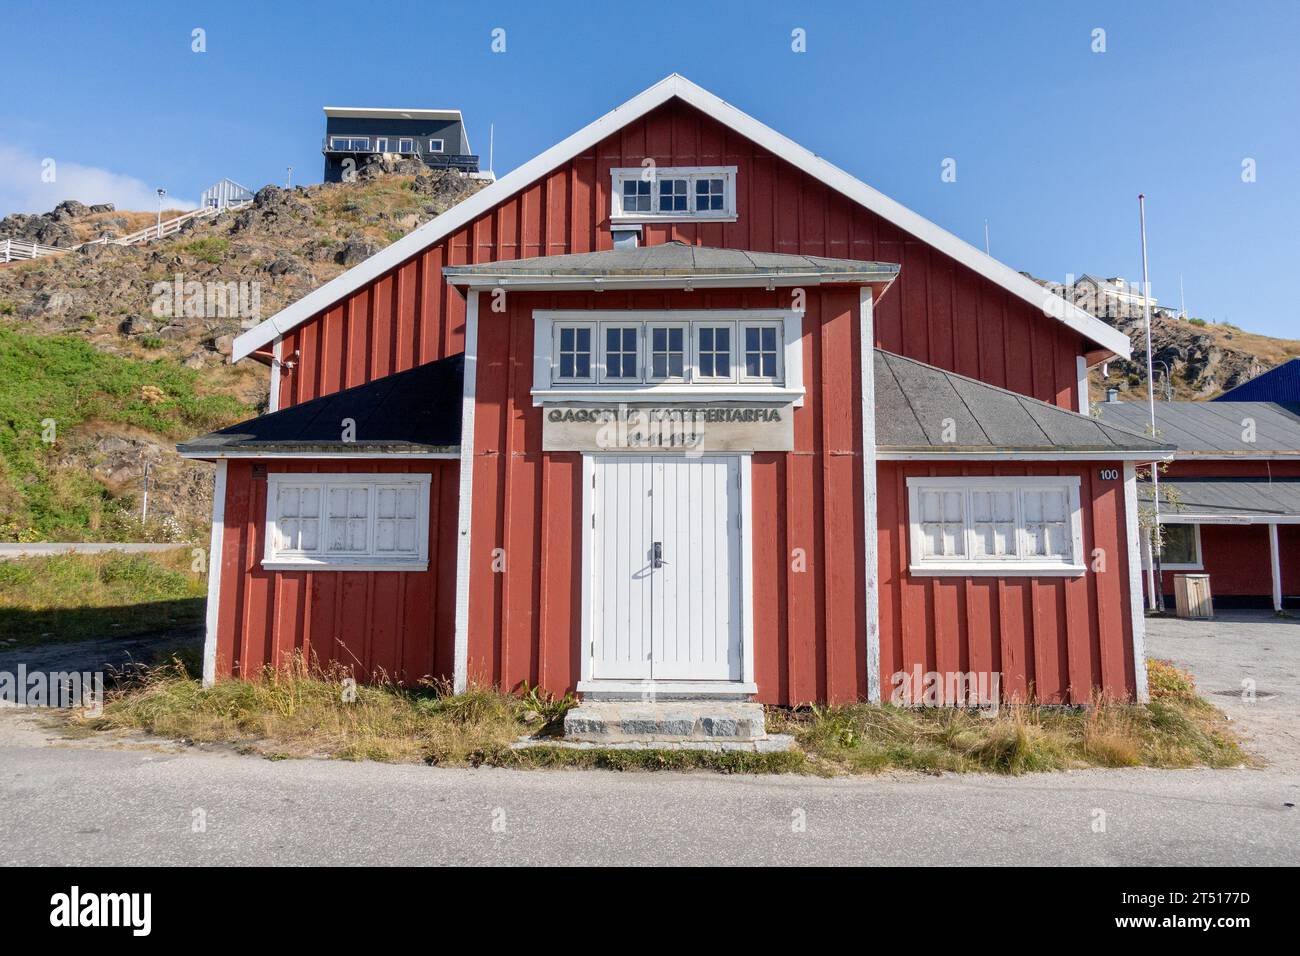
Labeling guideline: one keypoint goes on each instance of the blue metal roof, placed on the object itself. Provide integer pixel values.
(1281, 384)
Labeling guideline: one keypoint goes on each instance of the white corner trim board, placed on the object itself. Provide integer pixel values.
(465, 510)
(1136, 612)
(210, 618)
(678, 86)
(870, 520)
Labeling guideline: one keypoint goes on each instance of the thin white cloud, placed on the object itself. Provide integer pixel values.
(23, 186)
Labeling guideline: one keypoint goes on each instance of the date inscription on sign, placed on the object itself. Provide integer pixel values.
(725, 426)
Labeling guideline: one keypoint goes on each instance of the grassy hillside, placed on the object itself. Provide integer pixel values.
(55, 385)
(83, 344)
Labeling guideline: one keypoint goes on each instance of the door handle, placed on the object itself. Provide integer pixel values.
(657, 555)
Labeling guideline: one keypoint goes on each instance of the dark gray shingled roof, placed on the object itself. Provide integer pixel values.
(671, 259)
(1227, 497)
(1213, 429)
(416, 411)
(913, 399)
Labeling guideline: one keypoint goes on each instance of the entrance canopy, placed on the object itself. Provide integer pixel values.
(672, 265)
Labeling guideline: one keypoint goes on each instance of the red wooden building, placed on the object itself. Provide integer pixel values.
(1229, 501)
(678, 404)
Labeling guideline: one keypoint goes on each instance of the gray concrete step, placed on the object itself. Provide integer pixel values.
(617, 721)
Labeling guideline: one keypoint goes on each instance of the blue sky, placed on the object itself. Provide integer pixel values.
(1053, 142)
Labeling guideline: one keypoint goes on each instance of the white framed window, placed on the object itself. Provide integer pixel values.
(406, 145)
(381, 144)
(715, 355)
(575, 359)
(435, 145)
(1007, 526)
(668, 349)
(761, 351)
(620, 358)
(1180, 549)
(360, 522)
(686, 354)
(350, 143)
(646, 194)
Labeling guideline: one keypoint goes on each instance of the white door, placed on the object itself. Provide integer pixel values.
(666, 568)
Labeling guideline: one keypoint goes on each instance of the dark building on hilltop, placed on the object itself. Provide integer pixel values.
(355, 136)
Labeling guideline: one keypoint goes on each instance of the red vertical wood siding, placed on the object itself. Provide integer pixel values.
(1053, 639)
(1236, 557)
(939, 311)
(398, 624)
(526, 549)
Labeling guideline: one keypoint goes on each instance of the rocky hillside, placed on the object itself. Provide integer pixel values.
(1204, 359)
(125, 365)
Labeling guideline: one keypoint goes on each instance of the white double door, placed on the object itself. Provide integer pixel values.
(666, 568)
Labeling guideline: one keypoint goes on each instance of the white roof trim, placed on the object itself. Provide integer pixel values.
(384, 112)
(671, 86)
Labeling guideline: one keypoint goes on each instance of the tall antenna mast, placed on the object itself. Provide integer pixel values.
(986, 237)
(492, 135)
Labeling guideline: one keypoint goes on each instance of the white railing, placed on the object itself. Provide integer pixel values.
(15, 250)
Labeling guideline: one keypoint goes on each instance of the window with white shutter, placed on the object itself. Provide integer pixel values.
(372, 522)
(1007, 526)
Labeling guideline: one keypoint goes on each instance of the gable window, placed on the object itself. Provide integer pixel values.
(673, 193)
(373, 522)
(709, 195)
(573, 352)
(621, 352)
(762, 352)
(435, 146)
(1008, 526)
(636, 195)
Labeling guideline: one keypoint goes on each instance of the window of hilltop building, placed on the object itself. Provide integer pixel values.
(649, 194)
(1006, 526)
(359, 522)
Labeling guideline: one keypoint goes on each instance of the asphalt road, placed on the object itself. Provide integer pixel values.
(101, 802)
(74, 803)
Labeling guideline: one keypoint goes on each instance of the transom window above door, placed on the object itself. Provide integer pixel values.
(691, 354)
(647, 194)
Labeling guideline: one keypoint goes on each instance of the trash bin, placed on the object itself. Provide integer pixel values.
(1192, 595)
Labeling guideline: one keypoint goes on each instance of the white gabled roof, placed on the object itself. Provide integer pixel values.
(678, 86)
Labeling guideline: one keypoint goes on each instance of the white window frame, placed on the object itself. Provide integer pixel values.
(351, 146)
(442, 145)
(594, 363)
(727, 174)
(688, 364)
(381, 144)
(603, 348)
(696, 328)
(370, 560)
(1017, 565)
(740, 353)
(549, 387)
(1198, 564)
(410, 150)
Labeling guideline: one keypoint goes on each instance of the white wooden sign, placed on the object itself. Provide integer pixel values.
(689, 427)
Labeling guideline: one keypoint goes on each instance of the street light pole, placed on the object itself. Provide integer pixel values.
(1156, 547)
(161, 193)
